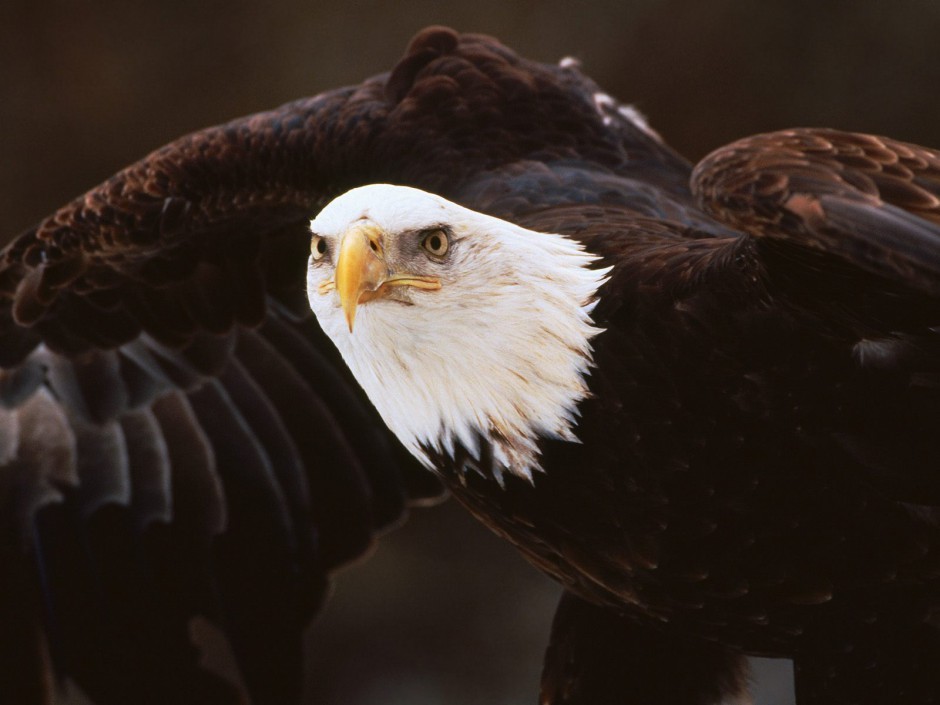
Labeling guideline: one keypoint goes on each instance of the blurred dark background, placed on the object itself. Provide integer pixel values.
(442, 612)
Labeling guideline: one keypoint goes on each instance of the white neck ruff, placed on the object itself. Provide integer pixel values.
(501, 351)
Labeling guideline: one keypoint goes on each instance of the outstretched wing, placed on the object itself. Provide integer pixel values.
(848, 228)
(177, 435)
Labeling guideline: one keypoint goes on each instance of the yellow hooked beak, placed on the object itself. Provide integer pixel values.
(360, 268)
(362, 273)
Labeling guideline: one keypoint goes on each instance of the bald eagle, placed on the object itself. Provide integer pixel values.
(705, 401)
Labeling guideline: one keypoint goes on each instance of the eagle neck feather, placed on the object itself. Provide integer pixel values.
(494, 361)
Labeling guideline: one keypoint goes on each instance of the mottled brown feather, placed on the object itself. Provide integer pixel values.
(870, 201)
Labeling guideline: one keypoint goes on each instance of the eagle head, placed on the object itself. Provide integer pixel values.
(462, 329)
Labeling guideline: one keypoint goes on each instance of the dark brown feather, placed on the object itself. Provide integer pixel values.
(870, 201)
(148, 461)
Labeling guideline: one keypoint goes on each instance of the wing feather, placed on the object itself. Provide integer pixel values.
(17, 384)
(103, 472)
(265, 421)
(45, 461)
(198, 500)
(259, 557)
(360, 424)
(340, 501)
(149, 464)
(90, 385)
(870, 202)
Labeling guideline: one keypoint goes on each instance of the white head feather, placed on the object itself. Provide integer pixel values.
(500, 351)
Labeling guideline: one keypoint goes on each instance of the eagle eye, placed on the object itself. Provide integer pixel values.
(318, 247)
(435, 242)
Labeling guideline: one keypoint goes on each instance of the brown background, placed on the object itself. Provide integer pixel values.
(443, 612)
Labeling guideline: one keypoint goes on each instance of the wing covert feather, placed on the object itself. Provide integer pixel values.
(870, 202)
